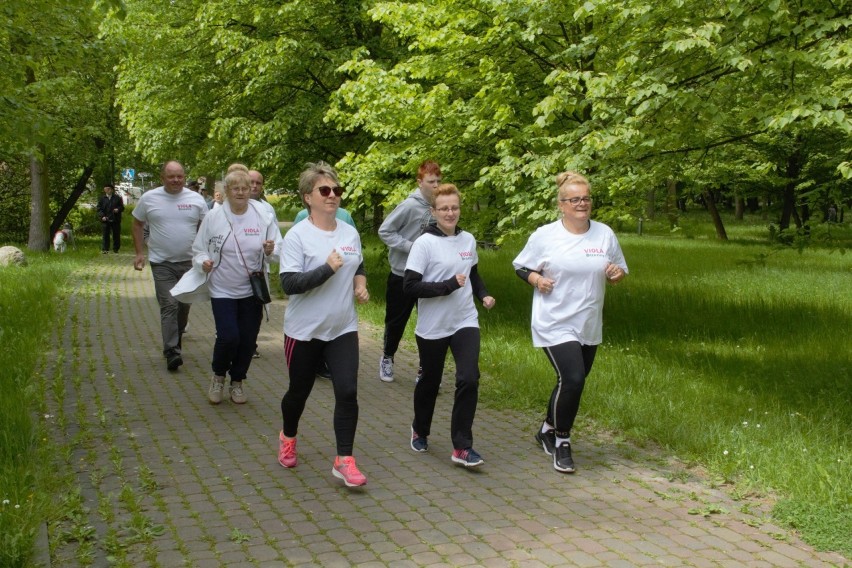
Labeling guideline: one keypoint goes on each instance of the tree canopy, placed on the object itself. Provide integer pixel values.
(710, 100)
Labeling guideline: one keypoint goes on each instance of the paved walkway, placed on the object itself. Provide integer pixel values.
(169, 480)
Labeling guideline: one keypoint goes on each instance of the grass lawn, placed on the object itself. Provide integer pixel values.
(735, 356)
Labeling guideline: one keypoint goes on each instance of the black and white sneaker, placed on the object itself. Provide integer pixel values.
(547, 441)
(562, 460)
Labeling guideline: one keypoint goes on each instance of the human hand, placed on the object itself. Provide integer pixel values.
(361, 294)
(545, 285)
(488, 302)
(207, 265)
(139, 262)
(268, 247)
(461, 279)
(334, 260)
(614, 273)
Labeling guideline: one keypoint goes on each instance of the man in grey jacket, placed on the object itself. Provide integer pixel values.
(398, 232)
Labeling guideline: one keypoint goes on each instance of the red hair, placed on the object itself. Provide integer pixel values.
(428, 167)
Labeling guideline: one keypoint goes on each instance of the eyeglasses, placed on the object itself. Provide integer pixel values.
(325, 191)
(576, 200)
(454, 209)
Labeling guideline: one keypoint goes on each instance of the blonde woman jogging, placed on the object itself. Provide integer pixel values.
(569, 263)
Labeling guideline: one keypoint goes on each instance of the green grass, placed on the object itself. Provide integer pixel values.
(733, 356)
(30, 298)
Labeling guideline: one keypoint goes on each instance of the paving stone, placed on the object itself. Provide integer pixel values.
(215, 467)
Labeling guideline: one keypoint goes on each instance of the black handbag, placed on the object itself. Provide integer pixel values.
(257, 279)
(259, 288)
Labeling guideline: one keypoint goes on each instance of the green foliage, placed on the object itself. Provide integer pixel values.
(507, 94)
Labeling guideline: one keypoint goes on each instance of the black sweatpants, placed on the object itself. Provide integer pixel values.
(464, 345)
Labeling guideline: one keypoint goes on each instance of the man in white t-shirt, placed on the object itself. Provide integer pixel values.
(172, 213)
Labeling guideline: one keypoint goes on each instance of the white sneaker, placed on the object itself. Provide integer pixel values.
(386, 369)
(217, 385)
(238, 396)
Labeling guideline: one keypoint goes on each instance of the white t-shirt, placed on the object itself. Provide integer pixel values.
(173, 220)
(229, 279)
(438, 259)
(327, 311)
(573, 311)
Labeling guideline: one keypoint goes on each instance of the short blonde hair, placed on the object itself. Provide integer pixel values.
(444, 189)
(236, 178)
(571, 178)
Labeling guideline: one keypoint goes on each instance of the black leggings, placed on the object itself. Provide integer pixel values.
(573, 363)
(433, 353)
(302, 358)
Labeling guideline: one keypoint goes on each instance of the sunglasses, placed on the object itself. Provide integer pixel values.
(325, 191)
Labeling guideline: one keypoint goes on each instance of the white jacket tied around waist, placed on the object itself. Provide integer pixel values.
(213, 233)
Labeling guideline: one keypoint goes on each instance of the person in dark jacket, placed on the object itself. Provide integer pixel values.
(110, 207)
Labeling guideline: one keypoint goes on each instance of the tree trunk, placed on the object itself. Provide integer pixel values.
(739, 208)
(69, 204)
(650, 204)
(794, 167)
(40, 207)
(710, 202)
(671, 202)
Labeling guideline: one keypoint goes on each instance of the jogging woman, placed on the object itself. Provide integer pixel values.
(441, 272)
(569, 262)
(322, 270)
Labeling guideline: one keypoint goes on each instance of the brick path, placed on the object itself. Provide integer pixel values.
(169, 480)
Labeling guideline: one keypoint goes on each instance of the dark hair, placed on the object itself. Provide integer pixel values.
(109, 185)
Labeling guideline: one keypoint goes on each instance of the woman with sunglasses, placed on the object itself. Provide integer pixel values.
(441, 272)
(322, 270)
(568, 262)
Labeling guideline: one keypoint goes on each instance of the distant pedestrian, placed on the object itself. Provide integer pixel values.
(110, 207)
(322, 271)
(172, 213)
(832, 213)
(569, 262)
(441, 272)
(398, 232)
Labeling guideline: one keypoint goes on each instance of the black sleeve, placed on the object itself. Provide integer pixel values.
(301, 282)
(102, 204)
(414, 286)
(524, 273)
(360, 271)
(478, 285)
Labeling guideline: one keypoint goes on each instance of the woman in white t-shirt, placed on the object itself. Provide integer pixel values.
(232, 242)
(322, 270)
(441, 272)
(569, 262)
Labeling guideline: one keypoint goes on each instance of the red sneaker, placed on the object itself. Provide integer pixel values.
(286, 450)
(345, 469)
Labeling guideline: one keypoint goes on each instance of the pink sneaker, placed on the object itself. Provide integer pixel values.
(286, 450)
(345, 469)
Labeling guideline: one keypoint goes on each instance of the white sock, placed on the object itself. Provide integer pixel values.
(545, 428)
(560, 441)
